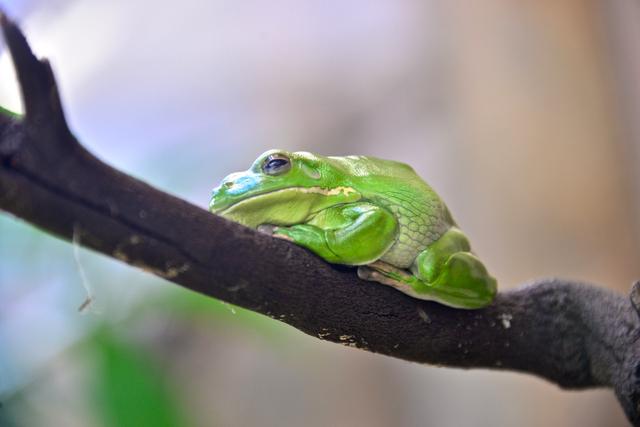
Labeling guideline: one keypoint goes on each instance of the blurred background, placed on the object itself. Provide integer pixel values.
(523, 115)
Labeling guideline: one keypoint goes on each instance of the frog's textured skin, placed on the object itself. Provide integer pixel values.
(373, 213)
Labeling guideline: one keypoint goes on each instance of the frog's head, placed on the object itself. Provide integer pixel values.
(282, 188)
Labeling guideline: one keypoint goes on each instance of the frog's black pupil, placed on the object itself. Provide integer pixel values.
(276, 165)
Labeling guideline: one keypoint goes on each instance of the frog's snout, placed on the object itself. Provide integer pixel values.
(238, 183)
(215, 198)
(227, 183)
(219, 194)
(232, 188)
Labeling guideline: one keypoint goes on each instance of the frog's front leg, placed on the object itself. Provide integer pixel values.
(352, 234)
(446, 272)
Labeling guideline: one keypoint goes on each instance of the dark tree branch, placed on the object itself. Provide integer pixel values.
(574, 335)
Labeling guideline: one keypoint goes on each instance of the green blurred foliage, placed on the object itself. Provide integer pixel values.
(130, 390)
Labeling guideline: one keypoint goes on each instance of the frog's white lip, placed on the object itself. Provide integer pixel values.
(309, 190)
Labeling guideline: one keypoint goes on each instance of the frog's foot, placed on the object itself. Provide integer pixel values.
(387, 274)
(268, 229)
(272, 230)
(462, 283)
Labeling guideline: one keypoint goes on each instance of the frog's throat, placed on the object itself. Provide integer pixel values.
(288, 206)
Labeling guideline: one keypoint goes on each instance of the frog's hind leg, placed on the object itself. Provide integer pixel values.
(387, 274)
(447, 272)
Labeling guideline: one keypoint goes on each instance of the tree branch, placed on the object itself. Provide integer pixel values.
(574, 335)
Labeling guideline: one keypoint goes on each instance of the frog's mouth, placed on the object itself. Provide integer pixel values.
(289, 206)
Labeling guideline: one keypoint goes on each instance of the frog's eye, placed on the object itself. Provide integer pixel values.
(276, 164)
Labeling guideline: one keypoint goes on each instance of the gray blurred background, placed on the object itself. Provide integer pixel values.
(523, 115)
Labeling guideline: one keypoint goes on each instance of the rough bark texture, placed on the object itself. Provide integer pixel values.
(574, 335)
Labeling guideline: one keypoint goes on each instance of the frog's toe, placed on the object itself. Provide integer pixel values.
(389, 270)
(366, 273)
(267, 229)
(374, 275)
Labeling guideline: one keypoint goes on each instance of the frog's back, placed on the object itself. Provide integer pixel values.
(422, 215)
(372, 167)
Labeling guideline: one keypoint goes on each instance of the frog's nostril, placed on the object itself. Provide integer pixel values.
(228, 184)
